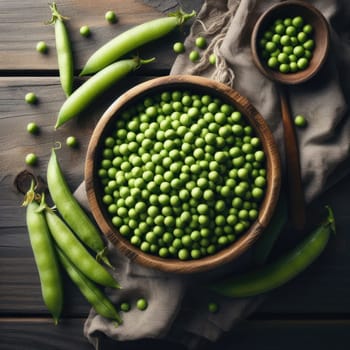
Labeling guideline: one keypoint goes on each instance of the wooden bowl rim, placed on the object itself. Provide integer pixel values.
(321, 51)
(266, 209)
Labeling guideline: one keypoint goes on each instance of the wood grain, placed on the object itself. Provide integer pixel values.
(39, 333)
(310, 312)
(21, 29)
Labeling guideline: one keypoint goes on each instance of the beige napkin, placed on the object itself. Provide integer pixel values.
(178, 305)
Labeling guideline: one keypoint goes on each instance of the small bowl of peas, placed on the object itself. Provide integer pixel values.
(290, 42)
(182, 174)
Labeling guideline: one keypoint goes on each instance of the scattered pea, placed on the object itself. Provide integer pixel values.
(194, 56)
(33, 128)
(201, 42)
(110, 16)
(31, 98)
(31, 159)
(300, 121)
(85, 31)
(125, 306)
(142, 304)
(71, 141)
(213, 307)
(212, 59)
(41, 47)
(179, 47)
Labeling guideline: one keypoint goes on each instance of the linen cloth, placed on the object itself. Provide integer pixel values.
(177, 304)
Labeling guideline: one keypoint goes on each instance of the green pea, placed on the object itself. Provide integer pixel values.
(42, 47)
(31, 159)
(201, 42)
(125, 306)
(300, 120)
(111, 16)
(72, 141)
(142, 304)
(194, 56)
(85, 31)
(212, 59)
(33, 128)
(179, 47)
(31, 98)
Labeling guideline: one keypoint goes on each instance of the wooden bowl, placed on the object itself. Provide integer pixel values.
(194, 84)
(312, 16)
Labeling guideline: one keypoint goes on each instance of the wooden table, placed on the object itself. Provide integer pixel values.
(311, 312)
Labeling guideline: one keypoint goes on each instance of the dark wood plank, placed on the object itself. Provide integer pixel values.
(22, 25)
(40, 333)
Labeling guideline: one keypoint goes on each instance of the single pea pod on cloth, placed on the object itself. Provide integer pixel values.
(64, 50)
(93, 294)
(180, 304)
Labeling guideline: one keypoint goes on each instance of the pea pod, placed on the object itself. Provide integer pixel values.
(281, 271)
(76, 252)
(86, 93)
(44, 255)
(71, 211)
(98, 300)
(132, 39)
(64, 51)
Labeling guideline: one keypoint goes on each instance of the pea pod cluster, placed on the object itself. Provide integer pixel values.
(101, 304)
(44, 255)
(71, 211)
(282, 270)
(64, 50)
(133, 39)
(54, 244)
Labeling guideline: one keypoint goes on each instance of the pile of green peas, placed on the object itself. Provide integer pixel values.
(287, 45)
(182, 173)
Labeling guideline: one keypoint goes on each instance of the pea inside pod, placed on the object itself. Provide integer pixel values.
(44, 255)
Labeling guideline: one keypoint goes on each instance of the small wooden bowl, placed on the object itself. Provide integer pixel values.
(312, 16)
(199, 85)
